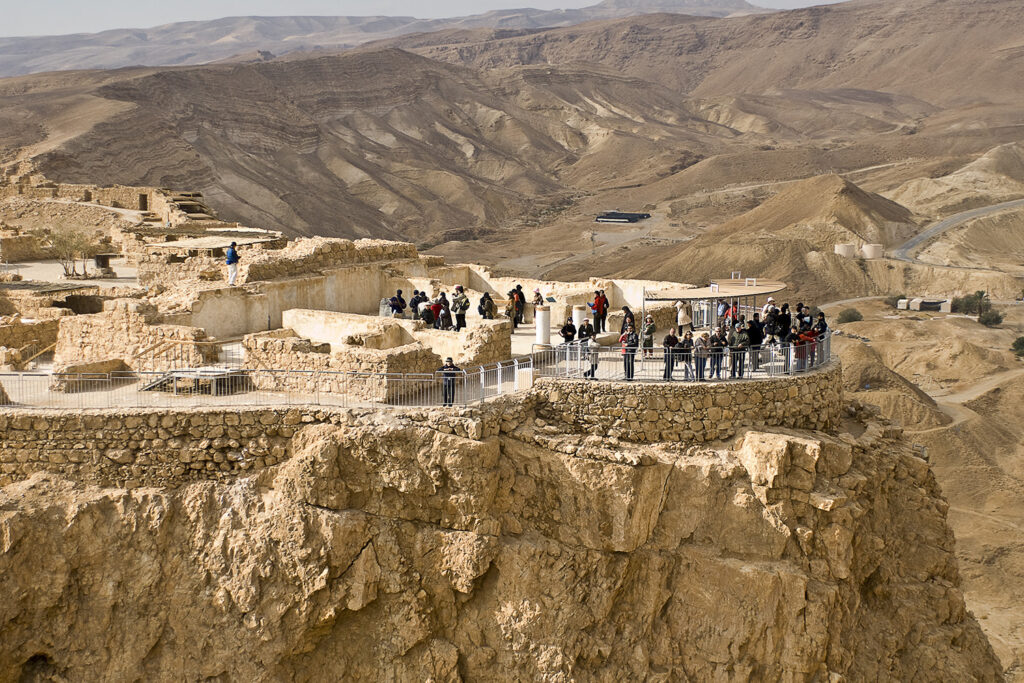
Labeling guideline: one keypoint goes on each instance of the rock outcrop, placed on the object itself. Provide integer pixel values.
(386, 548)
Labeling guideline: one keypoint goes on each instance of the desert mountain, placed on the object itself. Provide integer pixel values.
(998, 175)
(791, 237)
(373, 143)
(200, 42)
(937, 50)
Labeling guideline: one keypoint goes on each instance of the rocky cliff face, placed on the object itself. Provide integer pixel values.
(381, 548)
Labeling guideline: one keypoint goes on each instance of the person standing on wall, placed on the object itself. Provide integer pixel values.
(599, 308)
(449, 372)
(630, 342)
(669, 344)
(232, 261)
(460, 304)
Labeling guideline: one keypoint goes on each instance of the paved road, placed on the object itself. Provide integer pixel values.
(903, 252)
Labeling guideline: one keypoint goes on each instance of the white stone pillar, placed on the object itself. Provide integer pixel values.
(542, 320)
(579, 314)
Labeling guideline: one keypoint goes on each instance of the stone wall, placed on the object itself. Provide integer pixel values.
(305, 360)
(128, 332)
(15, 248)
(307, 256)
(16, 335)
(169, 448)
(643, 412)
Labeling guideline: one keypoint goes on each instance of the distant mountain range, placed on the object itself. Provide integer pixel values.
(201, 42)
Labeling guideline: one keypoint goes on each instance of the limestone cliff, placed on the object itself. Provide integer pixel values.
(386, 547)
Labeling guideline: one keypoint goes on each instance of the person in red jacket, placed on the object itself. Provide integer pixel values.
(600, 309)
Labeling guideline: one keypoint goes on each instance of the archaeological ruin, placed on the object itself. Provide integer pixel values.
(270, 480)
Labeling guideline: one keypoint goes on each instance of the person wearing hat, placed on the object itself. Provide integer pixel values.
(460, 304)
(449, 372)
(231, 258)
(768, 306)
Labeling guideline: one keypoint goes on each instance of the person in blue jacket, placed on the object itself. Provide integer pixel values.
(232, 261)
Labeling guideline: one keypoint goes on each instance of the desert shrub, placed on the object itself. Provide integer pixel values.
(849, 315)
(990, 318)
(1018, 346)
(972, 304)
(894, 300)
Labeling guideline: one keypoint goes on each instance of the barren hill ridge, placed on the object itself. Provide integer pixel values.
(200, 42)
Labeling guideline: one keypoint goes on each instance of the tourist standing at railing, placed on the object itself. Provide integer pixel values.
(785, 320)
(701, 353)
(809, 338)
(739, 343)
(568, 331)
(718, 343)
(648, 337)
(791, 346)
(231, 259)
(586, 331)
(669, 345)
(684, 355)
(630, 342)
(820, 326)
(773, 334)
(593, 356)
(755, 333)
(460, 304)
(449, 372)
(627, 320)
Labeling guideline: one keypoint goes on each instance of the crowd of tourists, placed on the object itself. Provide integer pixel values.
(732, 350)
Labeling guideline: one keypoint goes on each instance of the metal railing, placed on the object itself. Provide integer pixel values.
(220, 386)
(649, 365)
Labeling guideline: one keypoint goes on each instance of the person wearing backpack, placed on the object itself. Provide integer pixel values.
(630, 343)
(460, 304)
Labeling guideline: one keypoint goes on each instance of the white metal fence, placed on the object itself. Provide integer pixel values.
(240, 387)
(656, 365)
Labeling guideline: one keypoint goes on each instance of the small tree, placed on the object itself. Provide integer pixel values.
(849, 315)
(990, 318)
(68, 245)
(1018, 346)
(972, 304)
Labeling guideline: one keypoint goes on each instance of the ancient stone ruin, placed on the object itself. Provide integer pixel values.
(288, 515)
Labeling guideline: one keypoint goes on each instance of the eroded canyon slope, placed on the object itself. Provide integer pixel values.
(505, 546)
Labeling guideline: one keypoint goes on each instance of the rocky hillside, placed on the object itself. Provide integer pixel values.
(235, 38)
(498, 546)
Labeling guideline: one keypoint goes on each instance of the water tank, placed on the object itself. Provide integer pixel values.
(846, 250)
(873, 251)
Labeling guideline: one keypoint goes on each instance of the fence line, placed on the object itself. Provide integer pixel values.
(583, 361)
(243, 387)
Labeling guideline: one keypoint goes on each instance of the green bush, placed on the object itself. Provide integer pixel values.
(849, 315)
(990, 318)
(894, 300)
(1018, 346)
(972, 304)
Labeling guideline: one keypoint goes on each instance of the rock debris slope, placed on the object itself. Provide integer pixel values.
(505, 546)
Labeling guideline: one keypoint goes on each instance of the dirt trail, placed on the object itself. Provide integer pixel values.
(903, 252)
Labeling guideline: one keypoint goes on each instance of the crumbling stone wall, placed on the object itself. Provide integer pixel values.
(19, 338)
(312, 365)
(307, 256)
(128, 332)
(642, 412)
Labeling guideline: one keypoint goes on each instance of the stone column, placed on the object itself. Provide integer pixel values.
(579, 314)
(542, 320)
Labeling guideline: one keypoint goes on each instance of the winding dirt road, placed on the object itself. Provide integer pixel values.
(903, 252)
